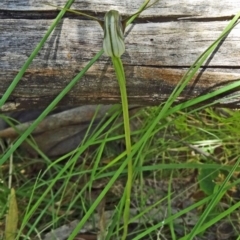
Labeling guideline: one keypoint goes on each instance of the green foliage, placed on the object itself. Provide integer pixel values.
(153, 150)
(207, 179)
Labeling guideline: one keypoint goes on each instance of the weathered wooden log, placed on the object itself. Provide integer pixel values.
(161, 44)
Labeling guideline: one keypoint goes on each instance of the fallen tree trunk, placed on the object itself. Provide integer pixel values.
(160, 46)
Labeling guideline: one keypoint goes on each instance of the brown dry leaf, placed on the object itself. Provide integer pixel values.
(12, 217)
(58, 133)
(69, 117)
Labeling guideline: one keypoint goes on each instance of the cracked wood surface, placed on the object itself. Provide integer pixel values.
(160, 46)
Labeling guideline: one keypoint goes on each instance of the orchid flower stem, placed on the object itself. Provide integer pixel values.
(118, 66)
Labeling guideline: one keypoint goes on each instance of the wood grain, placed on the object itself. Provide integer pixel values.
(160, 46)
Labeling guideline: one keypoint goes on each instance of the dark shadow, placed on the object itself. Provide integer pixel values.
(206, 64)
(53, 43)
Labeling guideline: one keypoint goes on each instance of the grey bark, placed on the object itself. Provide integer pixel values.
(160, 46)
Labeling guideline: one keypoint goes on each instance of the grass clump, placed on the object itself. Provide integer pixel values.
(185, 170)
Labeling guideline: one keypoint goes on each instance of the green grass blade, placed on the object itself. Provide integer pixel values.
(33, 55)
(215, 199)
(197, 64)
(48, 109)
(98, 200)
